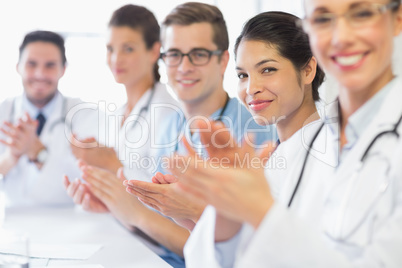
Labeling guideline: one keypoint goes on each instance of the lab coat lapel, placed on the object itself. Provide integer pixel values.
(347, 205)
(18, 110)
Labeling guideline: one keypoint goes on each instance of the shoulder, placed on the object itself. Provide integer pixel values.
(80, 112)
(162, 95)
(78, 105)
(6, 106)
(71, 101)
(7, 103)
(164, 106)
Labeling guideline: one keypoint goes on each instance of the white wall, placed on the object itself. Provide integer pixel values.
(84, 23)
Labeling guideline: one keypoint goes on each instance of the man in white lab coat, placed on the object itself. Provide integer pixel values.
(36, 126)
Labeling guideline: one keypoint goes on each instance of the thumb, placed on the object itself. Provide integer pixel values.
(81, 163)
(120, 173)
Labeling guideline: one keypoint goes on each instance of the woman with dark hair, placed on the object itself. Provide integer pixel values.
(133, 49)
(278, 83)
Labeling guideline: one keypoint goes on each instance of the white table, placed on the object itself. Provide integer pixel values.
(71, 225)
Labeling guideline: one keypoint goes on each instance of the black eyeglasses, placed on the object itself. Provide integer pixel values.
(197, 56)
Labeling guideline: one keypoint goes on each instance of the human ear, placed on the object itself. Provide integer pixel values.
(224, 61)
(155, 50)
(17, 67)
(398, 21)
(310, 71)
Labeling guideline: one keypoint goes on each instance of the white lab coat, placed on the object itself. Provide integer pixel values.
(133, 142)
(25, 184)
(342, 216)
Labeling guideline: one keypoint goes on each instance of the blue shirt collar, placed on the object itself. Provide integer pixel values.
(360, 119)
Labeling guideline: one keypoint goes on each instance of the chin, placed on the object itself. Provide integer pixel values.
(353, 84)
(262, 121)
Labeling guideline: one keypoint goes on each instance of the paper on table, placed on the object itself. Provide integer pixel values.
(60, 251)
(76, 266)
(38, 263)
(64, 251)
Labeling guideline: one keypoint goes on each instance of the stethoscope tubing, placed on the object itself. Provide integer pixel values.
(219, 118)
(362, 159)
(146, 107)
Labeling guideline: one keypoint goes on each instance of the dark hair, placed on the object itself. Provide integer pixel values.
(45, 36)
(193, 12)
(140, 19)
(279, 30)
(398, 2)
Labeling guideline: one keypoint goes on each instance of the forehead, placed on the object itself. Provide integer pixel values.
(253, 51)
(124, 34)
(41, 51)
(187, 37)
(339, 5)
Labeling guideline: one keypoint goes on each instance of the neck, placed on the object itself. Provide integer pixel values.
(306, 114)
(135, 91)
(350, 100)
(206, 106)
(41, 103)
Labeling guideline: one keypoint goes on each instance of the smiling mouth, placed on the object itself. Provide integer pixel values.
(40, 82)
(348, 61)
(258, 105)
(187, 81)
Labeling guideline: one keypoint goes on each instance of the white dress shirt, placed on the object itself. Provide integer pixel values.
(25, 184)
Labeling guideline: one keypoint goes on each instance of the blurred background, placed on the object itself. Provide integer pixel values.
(83, 23)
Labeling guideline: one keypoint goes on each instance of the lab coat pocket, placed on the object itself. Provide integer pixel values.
(358, 203)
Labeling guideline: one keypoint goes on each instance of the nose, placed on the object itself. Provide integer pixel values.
(40, 72)
(254, 86)
(114, 57)
(185, 65)
(342, 33)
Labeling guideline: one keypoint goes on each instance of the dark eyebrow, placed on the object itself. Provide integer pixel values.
(321, 10)
(173, 49)
(263, 62)
(51, 64)
(194, 48)
(258, 64)
(357, 4)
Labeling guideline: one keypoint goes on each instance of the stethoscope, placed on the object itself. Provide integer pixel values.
(218, 118)
(61, 120)
(362, 159)
(145, 108)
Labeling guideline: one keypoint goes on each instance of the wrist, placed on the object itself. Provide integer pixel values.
(140, 219)
(197, 215)
(40, 156)
(114, 165)
(13, 158)
(35, 149)
(261, 212)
